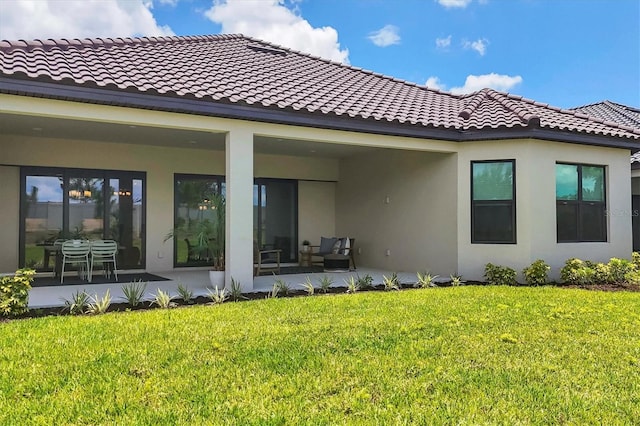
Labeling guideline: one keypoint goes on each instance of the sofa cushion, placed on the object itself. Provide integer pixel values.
(326, 245)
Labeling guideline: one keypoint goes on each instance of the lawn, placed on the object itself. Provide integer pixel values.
(473, 355)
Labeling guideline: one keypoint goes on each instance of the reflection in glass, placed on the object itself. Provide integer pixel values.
(493, 181)
(43, 219)
(566, 182)
(86, 207)
(592, 183)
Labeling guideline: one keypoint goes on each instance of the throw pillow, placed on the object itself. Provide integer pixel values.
(326, 245)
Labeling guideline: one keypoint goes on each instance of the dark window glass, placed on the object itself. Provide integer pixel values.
(493, 202)
(580, 203)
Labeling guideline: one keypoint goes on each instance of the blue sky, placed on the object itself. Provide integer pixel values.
(563, 52)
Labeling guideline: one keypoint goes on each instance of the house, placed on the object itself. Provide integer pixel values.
(626, 116)
(126, 138)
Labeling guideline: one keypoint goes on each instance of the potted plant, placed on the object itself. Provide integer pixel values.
(209, 240)
(305, 246)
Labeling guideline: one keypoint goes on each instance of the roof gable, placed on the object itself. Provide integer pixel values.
(234, 69)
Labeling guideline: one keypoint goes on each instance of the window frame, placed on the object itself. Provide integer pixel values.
(511, 203)
(579, 203)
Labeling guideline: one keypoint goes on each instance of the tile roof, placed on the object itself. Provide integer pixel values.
(612, 111)
(234, 69)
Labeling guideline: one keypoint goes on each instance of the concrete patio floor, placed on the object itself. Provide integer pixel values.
(198, 282)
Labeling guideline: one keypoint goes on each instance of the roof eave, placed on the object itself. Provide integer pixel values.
(169, 103)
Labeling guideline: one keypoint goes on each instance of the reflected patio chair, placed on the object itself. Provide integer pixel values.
(76, 252)
(265, 260)
(104, 251)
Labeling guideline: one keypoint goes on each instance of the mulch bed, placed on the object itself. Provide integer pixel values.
(203, 300)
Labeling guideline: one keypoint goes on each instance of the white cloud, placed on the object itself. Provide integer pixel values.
(495, 81)
(435, 83)
(385, 36)
(443, 43)
(454, 3)
(42, 19)
(479, 45)
(272, 21)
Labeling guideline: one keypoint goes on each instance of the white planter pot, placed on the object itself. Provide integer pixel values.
(217, 279)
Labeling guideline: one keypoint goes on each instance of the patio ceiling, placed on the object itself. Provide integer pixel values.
(34, 126)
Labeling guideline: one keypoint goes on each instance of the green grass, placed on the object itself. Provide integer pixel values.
(472, 355)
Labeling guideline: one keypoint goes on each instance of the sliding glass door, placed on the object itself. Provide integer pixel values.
(77, 203)
(275, 216)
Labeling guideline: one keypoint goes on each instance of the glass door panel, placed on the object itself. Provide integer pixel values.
(275, 216)
(43, 220)
(86, 207)
(125, 222)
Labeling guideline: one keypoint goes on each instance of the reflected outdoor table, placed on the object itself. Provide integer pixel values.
(52, 250)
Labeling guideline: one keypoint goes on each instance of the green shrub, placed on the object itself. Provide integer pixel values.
(635, 258)
(99, 305)
(575, 271)
(537, 273)
(601, 273)
(366, 282)
(499, 275)
(619, 268)
(14, 292)
(633, 277)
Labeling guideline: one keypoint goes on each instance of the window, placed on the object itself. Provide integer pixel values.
(59, 203)
(493, 213)
(580, 203)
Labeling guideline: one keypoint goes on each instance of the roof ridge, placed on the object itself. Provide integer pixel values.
(508, 101)
(63, 43)
(570, 111)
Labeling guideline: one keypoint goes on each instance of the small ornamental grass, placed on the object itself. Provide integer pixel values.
(134, 292)
(78, 303)
(352, 284)
(425, 280)
(456, 280)
(163, 299)
(390, 283)
(218, 296)
(185, 293)
(308, 286)
(236, 291)
(99, 305)
(325, 283)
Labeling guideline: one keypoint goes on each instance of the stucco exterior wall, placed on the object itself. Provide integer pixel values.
(536, 209)
(160, 164)
(9, 217)
(316, 210)
(403, 202)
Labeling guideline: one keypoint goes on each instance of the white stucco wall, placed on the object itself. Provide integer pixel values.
(536, 206)
(9, 217)
(401, 201)
(316, 210)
